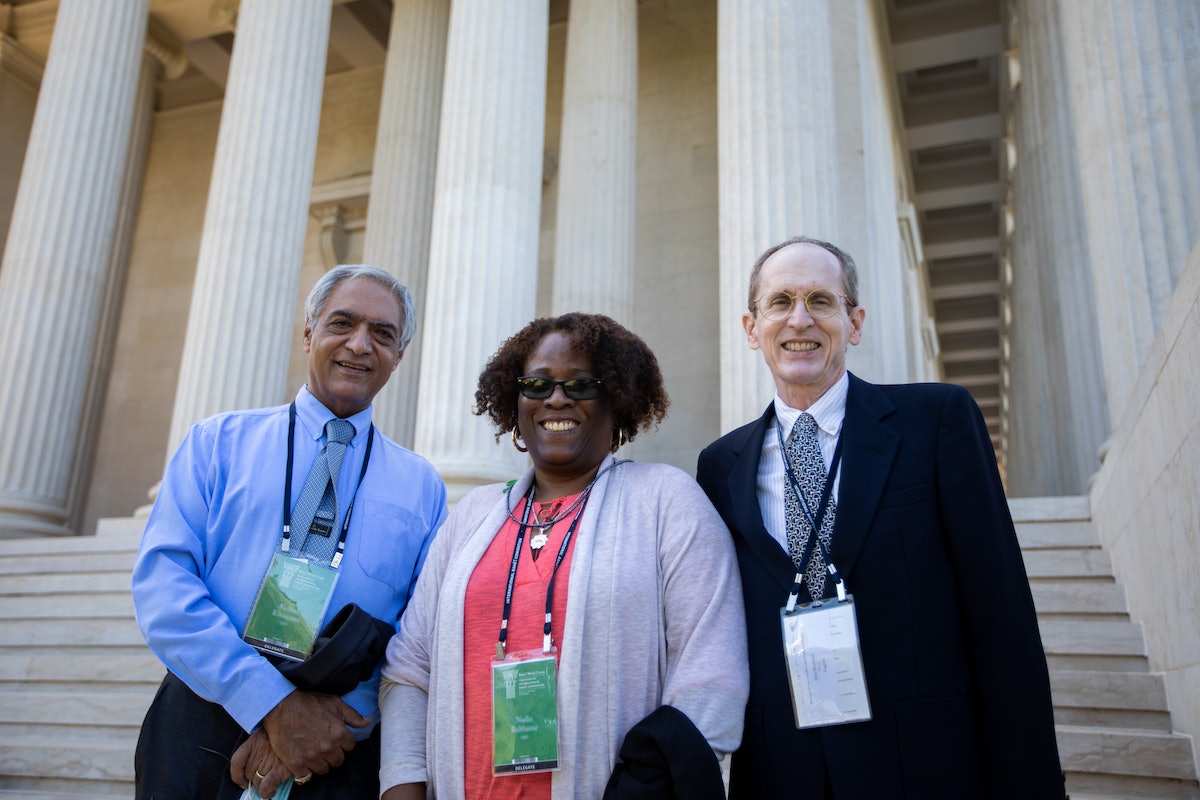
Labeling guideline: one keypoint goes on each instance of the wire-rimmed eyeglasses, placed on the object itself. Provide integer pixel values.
(821, 303)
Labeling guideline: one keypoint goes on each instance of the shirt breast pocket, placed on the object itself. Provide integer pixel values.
(390, 542)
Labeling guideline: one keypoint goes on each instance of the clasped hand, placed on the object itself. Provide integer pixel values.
(304, 735)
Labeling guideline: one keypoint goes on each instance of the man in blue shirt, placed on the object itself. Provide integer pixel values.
(227, 714)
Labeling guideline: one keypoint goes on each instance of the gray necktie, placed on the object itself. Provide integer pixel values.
(318, 500)
(804, 455)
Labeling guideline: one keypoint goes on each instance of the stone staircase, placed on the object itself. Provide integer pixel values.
(76, 678)
(1114, 728)
(75, 675)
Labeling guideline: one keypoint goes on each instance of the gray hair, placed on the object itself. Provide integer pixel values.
(849, 269)
(325, 285)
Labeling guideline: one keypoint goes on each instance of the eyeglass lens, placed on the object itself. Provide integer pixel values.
(537, 388)
(821, 303)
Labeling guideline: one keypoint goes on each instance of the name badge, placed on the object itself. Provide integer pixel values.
(824, 663)
(290, 607)
(524, 713)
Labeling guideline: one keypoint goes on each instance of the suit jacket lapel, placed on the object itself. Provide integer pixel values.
(868, 450)
(743, 488)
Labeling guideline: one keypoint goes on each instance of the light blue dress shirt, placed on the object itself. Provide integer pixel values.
(218, 519)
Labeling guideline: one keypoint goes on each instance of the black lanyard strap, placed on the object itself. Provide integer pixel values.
(512, 572)
(285, 543)
(822, 508)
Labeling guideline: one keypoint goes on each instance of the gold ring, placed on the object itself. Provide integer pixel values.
(304, 780)
(259, 775)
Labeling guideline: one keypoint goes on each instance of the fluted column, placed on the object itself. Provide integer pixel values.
(402, 183)
(114, 291)
(777, 152)
(1134, 72)
(597, 171)
(484, 246)
(56, 262)
(247, 275)
(1058, 416)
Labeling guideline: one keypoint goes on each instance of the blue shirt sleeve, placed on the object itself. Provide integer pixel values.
(180, 617)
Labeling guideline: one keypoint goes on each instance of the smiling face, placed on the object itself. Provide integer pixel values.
(806, 355)
(353, 345)
(567, 439)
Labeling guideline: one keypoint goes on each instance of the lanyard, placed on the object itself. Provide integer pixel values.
(287, 490)
(813, 520)
(512, 574)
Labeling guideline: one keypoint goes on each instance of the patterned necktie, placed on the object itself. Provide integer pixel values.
(318, 500)
(808, 466)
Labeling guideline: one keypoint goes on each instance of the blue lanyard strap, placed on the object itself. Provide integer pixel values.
(287, 489)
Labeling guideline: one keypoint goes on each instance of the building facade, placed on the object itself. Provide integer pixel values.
(1019, 181)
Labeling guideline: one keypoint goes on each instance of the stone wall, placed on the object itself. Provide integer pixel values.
(1145, 503)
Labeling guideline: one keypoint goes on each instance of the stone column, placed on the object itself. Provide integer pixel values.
(56, 262)
(597, 171)
(402, 182)
(1058, 416)
(239, 331)
(1134, 79)
(484, 245)
(777, 151)
(114, 289)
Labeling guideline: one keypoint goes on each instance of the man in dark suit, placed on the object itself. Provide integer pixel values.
(918, 527)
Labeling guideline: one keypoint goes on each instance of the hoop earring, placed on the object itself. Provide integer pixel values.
(515, 437)
(620, 439)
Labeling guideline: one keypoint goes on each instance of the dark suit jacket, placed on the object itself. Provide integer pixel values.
(954, 665)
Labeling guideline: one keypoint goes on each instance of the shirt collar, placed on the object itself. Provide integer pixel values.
(829, 411)
(313, 414)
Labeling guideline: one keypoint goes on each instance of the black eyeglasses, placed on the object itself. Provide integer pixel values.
(536, 387)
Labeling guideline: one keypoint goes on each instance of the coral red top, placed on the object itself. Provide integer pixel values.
(481, 630)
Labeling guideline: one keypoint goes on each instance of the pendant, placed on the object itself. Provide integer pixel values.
(538, 540)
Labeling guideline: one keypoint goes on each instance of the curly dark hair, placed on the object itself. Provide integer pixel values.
(631, 379)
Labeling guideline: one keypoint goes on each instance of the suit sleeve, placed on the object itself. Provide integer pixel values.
(1008, 664)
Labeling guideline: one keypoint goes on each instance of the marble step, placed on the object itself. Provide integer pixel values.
(90, 792)
(1091, 637)
(85, 672)
(53, 763)
(1049, 509)
(73, 790)
(66, 582)
(1067, 563)
(1067, 596)
(1113, 699)
(1083, 786)
(67, 605)
(1131, 753)
(115, 541)
(71, 633)
(73, 713)
(1041, 535)
(38, 564)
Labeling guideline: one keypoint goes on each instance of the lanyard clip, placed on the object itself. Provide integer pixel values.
(794, 595)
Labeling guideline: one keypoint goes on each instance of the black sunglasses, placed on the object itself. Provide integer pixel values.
(538, 388)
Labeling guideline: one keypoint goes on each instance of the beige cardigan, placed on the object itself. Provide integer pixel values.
(654, 617)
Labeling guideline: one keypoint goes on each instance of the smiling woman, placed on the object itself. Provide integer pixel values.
(652, 650)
